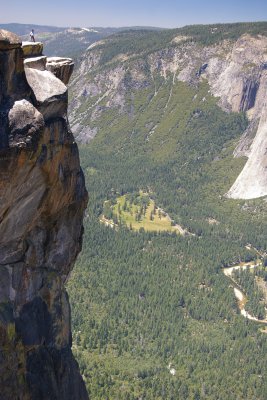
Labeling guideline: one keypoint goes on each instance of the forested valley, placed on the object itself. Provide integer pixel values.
(153, 315)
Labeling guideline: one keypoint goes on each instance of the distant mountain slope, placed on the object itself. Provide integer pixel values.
(24, 29)
(149, 67)
(65, 41)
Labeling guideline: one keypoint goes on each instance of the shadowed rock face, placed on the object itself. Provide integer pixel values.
(42, 201)
(62, 68)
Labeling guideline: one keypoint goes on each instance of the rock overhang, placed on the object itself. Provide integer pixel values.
(47, 91)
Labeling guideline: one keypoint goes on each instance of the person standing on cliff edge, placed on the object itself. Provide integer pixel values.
(32, 36)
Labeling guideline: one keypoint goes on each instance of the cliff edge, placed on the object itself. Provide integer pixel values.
(42, 202)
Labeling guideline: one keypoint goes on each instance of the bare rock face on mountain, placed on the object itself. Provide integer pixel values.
(235, 70)
(42, 202)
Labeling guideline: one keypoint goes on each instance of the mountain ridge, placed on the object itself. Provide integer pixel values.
(234, 69)
(73, 40)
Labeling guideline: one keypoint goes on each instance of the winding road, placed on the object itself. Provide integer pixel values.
(239, 294)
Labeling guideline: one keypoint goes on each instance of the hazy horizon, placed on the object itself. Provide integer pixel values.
(127, 26)
(118, 13)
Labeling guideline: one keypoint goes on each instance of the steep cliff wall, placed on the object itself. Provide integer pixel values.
(42, 201)
(235, 70)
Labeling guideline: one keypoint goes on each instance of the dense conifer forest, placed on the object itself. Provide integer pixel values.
(153, 315)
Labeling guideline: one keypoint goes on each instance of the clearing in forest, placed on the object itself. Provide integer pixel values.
(136, 211)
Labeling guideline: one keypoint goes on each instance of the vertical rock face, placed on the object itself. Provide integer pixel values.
(236, 71)
(42, 201)
(242, 85)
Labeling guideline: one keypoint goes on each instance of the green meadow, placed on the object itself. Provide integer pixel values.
(139, 212)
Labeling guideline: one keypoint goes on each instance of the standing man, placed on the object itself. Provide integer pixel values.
(32, 36)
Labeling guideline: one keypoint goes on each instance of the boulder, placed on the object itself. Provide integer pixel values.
(50, 94)
(24, 121)
(62, 68)
(36, 63)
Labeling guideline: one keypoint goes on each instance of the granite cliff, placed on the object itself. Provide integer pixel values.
(42, 202)
(235, 71)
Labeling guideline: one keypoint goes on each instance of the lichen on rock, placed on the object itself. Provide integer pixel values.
(42, 202)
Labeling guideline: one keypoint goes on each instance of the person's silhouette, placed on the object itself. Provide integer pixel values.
(32, 36)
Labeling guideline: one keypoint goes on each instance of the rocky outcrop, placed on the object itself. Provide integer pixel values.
(62, 68)
(50, 94)
(32, 49)
(42, 202)
(38, 62)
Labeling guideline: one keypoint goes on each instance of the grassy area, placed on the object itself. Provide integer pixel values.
(138, 213)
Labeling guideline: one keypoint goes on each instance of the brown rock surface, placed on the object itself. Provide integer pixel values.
(32, 49)
(42, 202)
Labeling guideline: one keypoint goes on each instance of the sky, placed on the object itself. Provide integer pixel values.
(118, 13)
